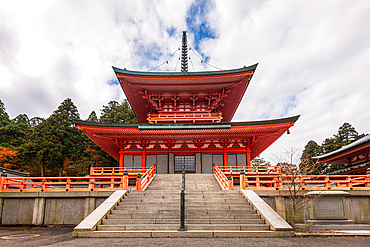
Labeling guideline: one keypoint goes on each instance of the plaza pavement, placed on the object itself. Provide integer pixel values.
(55, 237)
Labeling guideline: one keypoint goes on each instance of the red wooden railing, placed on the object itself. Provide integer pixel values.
(147, 178)
(267, 181)
(39, 184)
(309, 182)
(231, 170)
(221, 178)
(118, 171)
(184, 116)
(96, 183)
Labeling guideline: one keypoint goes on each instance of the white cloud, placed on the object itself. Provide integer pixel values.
(313, 56)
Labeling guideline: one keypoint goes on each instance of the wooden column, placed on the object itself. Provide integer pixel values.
(225, 143)
(248, 152)
(143, 158)
(225, 158)
(121, 157)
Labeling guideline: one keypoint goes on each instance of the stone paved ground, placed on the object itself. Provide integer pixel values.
(62, 237)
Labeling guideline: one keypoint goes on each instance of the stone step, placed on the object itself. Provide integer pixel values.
(187, 196)
(183, 234)
(207, 208)
(216, 208)
(135, 227)
(177, 203)
(187, 191)
(177, 216)
(187, 200)
(188, 212)
(177, 221)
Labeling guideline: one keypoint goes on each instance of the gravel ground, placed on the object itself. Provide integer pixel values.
(15, 237)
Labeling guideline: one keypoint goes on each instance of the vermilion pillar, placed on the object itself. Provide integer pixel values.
(121, 157)
(248, 151)
(143, 158)
(225, 158)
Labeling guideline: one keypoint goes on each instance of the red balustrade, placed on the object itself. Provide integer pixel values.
(89, 183)
(267, 178)
(307, 182)
(221, 177)
(117, 171)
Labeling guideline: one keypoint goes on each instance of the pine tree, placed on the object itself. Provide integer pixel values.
(21, 118)
(312, 149)
(4, 117)
(36, 121)
(118, 113)
(57, 139)
(93, 117)
(260, 161)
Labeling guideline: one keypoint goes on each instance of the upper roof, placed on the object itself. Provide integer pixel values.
(341, 155)
(135, 84)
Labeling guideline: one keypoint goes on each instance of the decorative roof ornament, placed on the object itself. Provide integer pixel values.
(184, 53)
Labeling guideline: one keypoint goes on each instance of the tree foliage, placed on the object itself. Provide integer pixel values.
(4, 117)
(115, 112)
(93, 117)
(54, 146)
(8, 158)
(260, 161)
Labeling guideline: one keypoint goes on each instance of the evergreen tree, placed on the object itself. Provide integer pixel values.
(57, 139)
(118, 113)
(329, 145)
(36, 121)
(345, 136)
(312, 149)
(13, 135)
(93, 117)
(21, 118)
(4, 117)
(260, 161)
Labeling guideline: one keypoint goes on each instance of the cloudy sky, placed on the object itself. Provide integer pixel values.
(314, 56)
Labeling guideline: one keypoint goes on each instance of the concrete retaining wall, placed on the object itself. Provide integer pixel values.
(357, 204)
(48, 208)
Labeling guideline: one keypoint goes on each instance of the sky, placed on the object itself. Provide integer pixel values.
(314, 56)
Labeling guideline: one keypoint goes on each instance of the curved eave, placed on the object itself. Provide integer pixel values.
(181, 74)
(266, 132)
(196, 125)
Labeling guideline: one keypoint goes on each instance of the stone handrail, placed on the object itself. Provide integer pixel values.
(95, 218)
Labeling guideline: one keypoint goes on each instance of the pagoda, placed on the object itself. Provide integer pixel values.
(185, 120)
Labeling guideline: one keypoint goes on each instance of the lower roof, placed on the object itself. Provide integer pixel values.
(265, 132)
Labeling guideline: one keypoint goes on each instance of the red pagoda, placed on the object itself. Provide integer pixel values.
(185, 119)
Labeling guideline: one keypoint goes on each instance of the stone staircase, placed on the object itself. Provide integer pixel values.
(192, 182)
(208, 208)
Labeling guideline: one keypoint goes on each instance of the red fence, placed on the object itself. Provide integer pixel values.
(222, 179)
(273, 180)
(235, 170)
(308, 182)
(146, 179)
(117, 171)
(96, 183)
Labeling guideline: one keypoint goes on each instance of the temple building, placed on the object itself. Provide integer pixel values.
(185, 119)
(355, 156)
